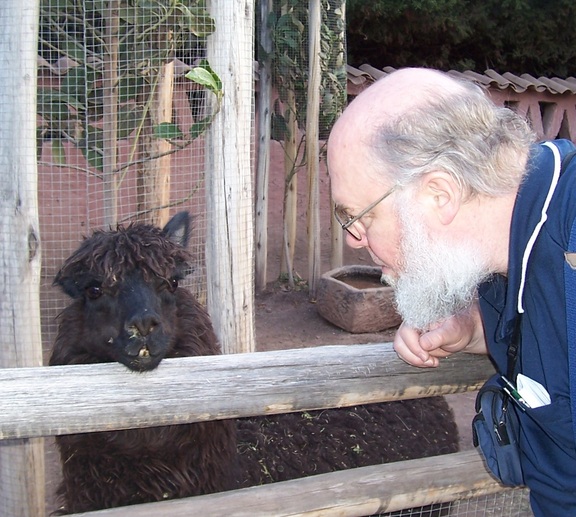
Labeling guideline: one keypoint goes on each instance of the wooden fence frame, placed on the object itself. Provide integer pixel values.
(46, 401)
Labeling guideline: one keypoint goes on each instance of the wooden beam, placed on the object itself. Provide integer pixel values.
(84, 398)
(229, 186)
(348, 493)
(21, 461)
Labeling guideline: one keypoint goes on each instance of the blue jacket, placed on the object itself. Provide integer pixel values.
(547, 439)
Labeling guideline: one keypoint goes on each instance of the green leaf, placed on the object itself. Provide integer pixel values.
(202, 25)
(92, 147)
(129, 117)
(75, 83)
(279, 129)
(49, 100)
(129, 87)
(205, 76)
(129, 14)
(94, 158)
(168, 131)
(198, 128)
(57, 5)
(58, 152)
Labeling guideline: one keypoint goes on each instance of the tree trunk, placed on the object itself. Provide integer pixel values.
(263, 150)
(290, 212)
(312, 147)
(110, 115)
(153, 179)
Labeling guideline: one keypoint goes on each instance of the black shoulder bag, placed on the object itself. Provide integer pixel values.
(495, 427)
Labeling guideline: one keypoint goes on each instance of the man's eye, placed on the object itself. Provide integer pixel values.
(343, 215)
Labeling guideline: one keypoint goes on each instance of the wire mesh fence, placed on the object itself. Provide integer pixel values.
(509, 503)
(120, 127)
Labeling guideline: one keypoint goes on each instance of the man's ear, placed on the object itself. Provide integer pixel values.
(443, 195)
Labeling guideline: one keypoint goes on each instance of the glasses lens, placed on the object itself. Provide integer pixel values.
(353, 230)
(344, 219)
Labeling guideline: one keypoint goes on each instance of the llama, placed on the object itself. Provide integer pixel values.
(127, 308)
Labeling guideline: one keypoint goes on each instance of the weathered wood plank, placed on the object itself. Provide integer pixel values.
(21, 461)
(83, 398)
(348, 493)
(229, 186)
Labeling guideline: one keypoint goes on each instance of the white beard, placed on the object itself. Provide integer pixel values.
(438, 279)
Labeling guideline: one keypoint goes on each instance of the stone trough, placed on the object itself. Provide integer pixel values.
(354, 299)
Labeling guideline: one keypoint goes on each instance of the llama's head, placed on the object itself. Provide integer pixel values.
(125, 284)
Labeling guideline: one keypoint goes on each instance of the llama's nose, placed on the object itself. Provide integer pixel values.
(142, 325)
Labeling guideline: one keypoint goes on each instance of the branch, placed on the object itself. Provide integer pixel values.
(73, 167)
(172, 204)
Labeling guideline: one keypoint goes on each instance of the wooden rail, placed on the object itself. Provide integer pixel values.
(56, 400)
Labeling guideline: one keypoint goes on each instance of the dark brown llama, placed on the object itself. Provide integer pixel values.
(127, 307)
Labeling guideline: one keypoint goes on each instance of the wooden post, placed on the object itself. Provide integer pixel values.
(21, 460)
(229, 186)
(263, 156)
(312, 147)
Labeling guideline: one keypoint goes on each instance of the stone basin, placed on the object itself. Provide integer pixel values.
(354, 299)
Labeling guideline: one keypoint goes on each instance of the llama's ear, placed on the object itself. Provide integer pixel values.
(178, 229)
(68, 285)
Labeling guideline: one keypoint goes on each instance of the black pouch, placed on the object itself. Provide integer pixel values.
(495, 431)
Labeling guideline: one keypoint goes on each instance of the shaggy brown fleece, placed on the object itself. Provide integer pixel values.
(282, 447)
(290, 446)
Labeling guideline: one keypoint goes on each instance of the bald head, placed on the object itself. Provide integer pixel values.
(416, 120)
(389, 98)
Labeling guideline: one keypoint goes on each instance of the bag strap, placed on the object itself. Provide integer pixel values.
(570, 293)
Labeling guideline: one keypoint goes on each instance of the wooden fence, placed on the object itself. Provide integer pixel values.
(47, 401)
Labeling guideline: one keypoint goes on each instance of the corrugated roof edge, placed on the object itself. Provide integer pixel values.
(489, 79)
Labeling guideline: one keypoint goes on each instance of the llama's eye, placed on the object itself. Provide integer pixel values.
(173, 284)
(94, 291)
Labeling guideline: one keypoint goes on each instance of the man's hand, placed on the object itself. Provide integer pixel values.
(462, 332)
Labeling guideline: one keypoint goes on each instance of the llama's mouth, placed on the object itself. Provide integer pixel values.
(143, 363)
(142, 355)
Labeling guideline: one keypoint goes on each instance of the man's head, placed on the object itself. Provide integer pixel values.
(441, 146)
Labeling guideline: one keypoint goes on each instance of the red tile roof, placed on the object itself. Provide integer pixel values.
(360, 78)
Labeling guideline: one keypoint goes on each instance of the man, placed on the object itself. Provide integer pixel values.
(469, 221)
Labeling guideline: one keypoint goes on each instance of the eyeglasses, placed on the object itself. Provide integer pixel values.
(347, 221)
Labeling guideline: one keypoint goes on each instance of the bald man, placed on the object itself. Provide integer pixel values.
(469, 220)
